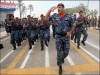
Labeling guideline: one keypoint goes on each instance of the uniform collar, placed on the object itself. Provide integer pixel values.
(62, 14)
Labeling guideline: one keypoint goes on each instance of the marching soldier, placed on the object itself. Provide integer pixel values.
(81, 28)
(44, 31)
(20, 28)
(64, 27)
(28, 30)
(33, 23)
(95, 21)
(73, 35)
(23, 29)
(14, 32)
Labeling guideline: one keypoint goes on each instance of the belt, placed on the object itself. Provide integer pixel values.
(61, 34)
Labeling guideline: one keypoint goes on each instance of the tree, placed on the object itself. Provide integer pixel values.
(24, 9)
(77, 9)
(30, 7)
(95, 12)
(19, 6)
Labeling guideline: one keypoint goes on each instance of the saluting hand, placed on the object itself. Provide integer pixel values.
(53, 8)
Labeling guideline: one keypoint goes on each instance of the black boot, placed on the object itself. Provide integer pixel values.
(83, 43)
(32, 42)
(30, 47)
(14, 46)
(71, 37)
(74, 40)
(19, 44)
(42, 48)
(62, 60)
(60, 69)
(78, 46)
(46, 44)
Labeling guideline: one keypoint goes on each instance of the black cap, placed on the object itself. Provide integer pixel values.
(60, 4)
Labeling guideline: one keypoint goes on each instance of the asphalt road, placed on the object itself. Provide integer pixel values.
(82, 61)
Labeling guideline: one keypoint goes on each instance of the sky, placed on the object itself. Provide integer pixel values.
(41, 7)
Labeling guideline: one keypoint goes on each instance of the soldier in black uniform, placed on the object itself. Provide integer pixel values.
(28, 30)
(44, 31)
(33, 28)
(14, 32)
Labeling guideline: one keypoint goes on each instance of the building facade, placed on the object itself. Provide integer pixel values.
(6, 9)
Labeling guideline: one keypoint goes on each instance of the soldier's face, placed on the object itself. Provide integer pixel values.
(42, 17)
(74, 16)
(60, 9)
(81, 14)
(12, 17)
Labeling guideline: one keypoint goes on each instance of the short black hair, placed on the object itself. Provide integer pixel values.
(74, 14)
(61, 4)
(41, 15)
(12, 15)
(28, 16)
(80, 11)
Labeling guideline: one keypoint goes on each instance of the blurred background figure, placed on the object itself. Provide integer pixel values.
(99, 22)
(95, 21)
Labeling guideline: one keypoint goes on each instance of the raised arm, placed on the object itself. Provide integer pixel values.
(50, 10)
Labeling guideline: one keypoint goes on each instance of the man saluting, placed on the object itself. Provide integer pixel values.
(64, 26)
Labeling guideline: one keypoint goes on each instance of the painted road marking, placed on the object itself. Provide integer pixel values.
(1, 60)
(27, 57)
(93, 45)
(92, 67)
(90, 54)
(86, 56)
(70, 60)
(72, 63)
(47, 59)
(53, 70)
(89, 43)
(4, 58)
(18, 57)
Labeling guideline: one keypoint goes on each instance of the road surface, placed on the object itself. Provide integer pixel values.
(23, 61)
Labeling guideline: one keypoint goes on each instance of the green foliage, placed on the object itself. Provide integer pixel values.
(81, 7)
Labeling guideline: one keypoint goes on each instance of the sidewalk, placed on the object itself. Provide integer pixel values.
(3, 34)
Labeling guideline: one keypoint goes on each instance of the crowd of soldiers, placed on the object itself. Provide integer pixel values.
(63, 25)
(93, 21)
(30, 28)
